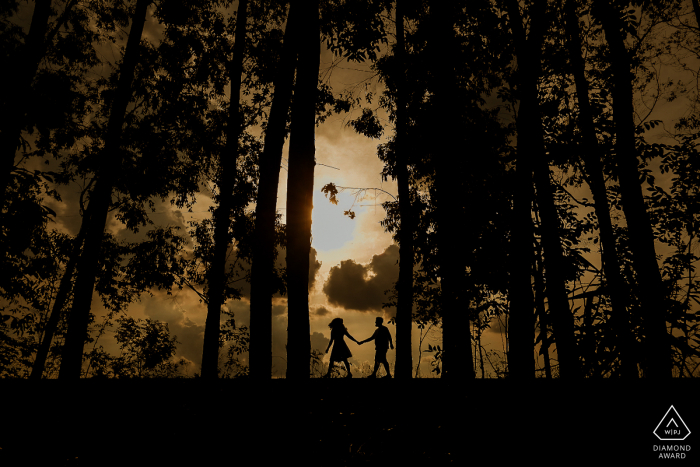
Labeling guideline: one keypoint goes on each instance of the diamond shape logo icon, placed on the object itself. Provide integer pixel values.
(672, 427)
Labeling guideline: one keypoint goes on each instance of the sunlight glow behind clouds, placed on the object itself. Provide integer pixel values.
(330, 228)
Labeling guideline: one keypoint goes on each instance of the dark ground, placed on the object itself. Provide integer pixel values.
(338, 422)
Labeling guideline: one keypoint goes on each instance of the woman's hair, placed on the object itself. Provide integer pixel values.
(337, 322)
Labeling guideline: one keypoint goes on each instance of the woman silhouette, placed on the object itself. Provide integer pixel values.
(341, 352)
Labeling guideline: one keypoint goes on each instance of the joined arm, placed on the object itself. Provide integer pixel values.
(351, 338)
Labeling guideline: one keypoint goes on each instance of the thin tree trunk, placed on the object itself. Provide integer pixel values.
(56, 311)
(100, 199)
(651, 289)
(591, 156)
(300, 185)
(26, 64)
(404, 308)
(228, 173)
(456, 332)
(481, 355)
(266, 208)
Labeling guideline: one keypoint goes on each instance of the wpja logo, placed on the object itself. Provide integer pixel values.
(672, 428)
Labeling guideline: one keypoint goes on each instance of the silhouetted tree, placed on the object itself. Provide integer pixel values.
(404, 308)
(520, 364)
(226, 208)
(60, 301)
(100, 199)
(454, 301)
(263, 250)
(300, 193)
(147, 351)
(471, 199)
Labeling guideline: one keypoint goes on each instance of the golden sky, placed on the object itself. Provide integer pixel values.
(357, 258)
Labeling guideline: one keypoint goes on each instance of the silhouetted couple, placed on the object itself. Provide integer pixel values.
(341, 351)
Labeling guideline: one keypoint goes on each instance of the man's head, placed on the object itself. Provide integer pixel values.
(378, 322)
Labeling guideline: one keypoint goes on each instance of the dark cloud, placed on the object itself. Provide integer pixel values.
(361, 287)
(320, 311)
(279, 310)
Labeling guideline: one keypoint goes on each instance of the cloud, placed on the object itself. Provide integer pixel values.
(319, 341)
(278, 310)
(320, 311)
(314, 266)
(361, 287)
(191, 339)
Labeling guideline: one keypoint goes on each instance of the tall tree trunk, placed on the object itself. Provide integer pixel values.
(591, 156)
(24, 68)
(300, 185)
(520, 332)
(266, 208)
(456, 331)
(531, 141)
(651, 291)
(404, 308)
(59, 303)
(100, 199)
(228, 173)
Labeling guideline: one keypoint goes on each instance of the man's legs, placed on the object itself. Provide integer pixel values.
(386, 366)
(377, 361)
(380, 359)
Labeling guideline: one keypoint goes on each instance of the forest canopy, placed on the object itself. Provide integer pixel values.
(198, 188)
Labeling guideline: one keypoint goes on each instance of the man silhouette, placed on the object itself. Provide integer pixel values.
(382, 342)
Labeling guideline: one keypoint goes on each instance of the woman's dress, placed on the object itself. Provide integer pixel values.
(340, 351)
